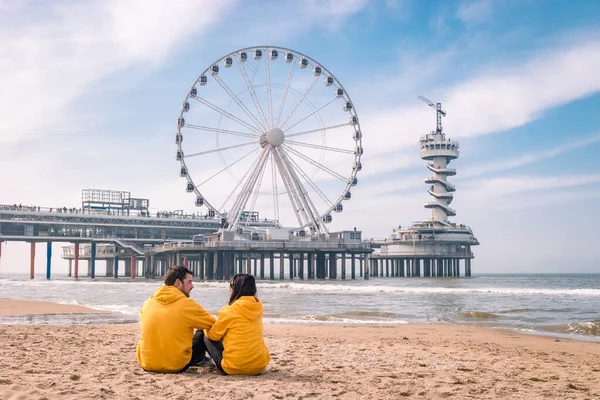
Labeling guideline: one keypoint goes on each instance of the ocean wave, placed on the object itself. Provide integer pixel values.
(478, 315)
(68, 319)
(584, 328)
(353, 288)
(328, 319)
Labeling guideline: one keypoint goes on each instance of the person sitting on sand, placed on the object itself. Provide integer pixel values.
(236, 341)
(167, 321)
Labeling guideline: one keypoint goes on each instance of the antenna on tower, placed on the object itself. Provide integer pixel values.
(439, 112)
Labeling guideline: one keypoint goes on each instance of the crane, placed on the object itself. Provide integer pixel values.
(439, 112)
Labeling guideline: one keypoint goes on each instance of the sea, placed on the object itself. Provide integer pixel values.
(558, 305)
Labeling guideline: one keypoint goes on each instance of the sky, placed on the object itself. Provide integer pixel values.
(91, 92)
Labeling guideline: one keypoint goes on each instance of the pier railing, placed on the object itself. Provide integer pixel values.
(259, 245)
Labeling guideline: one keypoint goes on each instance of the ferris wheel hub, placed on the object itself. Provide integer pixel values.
(275, 137)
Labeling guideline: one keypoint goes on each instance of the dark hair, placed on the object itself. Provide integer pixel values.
(176, 272)
(241, 285)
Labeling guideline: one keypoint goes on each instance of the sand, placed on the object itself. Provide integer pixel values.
(308, 362)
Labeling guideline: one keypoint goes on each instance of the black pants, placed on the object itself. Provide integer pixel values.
(198, 349)
(215, 349)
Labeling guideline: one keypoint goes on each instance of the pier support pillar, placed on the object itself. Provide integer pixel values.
(70, 273)
(32, 261)
(116, 266)
(262, 265)
(133, 267)
(353, 266)
(185, 262)
(76, 258)
(93, 262)
(332, 266)
(281, 265)
(301, 266)
(272, 266)
(291, 266)
(365, 265)
(48, 259)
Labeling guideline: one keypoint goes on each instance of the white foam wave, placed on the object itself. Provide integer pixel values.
(332, 321)
(328, 288)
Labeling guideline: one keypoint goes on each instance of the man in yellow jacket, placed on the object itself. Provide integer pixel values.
(167, 320)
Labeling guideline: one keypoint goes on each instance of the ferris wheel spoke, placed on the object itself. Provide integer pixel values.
(258, 185)
(226, 168)
(236, 99)
(300, 101)
(286, 89)
(223, 131)
(268, 90)
(252, 92)
(308, 209)
(320, 147)
(220, 149)
(275, 188)
(228, 115)
(311, 183)
(286, 179)
(316, 163)
(244, 194)
(240, 181)
(326, 128)
(311, 114)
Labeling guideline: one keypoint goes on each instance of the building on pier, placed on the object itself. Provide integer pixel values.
(437, 246)
(341, 258)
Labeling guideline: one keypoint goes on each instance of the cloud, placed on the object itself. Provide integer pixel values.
(530, 158)
(54, 53)
(475, 11)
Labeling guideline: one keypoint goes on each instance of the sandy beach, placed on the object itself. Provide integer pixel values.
(308, 362)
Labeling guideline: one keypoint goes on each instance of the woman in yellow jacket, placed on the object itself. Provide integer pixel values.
(235, 341)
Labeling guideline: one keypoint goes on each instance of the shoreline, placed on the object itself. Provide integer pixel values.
(25, 312)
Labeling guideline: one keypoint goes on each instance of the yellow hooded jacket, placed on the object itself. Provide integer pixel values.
(167, 321)
(240, 328)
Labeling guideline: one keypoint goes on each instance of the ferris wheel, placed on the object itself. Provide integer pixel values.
(268, 134)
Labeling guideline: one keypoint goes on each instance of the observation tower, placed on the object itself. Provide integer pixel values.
(436, 244)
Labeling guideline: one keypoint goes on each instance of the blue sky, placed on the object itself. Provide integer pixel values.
(91, 92)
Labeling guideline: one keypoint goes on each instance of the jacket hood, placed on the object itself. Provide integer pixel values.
(167, 294)
(249, 306)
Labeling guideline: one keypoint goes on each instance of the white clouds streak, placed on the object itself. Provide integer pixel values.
(514, 96)
(64, 48)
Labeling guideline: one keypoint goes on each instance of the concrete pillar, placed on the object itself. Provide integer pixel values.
(291, 266)
(116, 266)
(133, 266)
(202, 265)
(353, 266)
(281, 265)
(301, 266)
(387, 267)
(366, 263)
(48, 259)
(76, 258)
(32, 260)
(272, 266)
(262, 266)
(343, 265)
(332, 266)
(70, 267)
(228, 265)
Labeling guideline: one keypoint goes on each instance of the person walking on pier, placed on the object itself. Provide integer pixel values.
(167, 321)
(236, 341)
